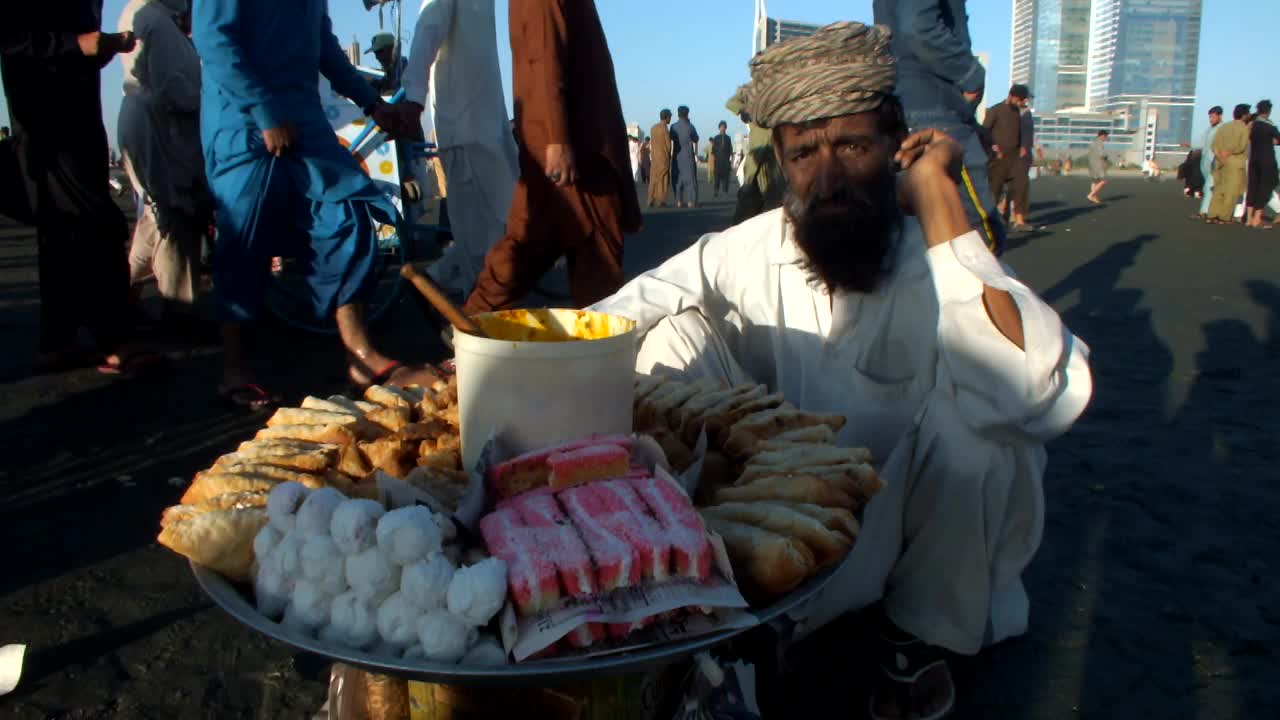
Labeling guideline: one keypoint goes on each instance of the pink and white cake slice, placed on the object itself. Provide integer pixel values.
(617, 561)
(531, 575)
(680, 524)
(559, 541)
(586, 464)
(530, 470)
(629, 517)
(586, 635)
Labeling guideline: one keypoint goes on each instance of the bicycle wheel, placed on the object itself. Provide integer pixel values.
(289, 295)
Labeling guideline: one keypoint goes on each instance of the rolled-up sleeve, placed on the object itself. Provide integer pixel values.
(1004, 392)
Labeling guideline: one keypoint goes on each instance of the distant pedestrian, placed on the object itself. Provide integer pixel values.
(1098, 166)
(660, 160)
(686, 159)
(646, 160)
(1229, 147)
(722, 154)
(1263, 175)
(1207, 161)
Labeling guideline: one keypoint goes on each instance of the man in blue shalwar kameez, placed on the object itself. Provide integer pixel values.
(282, 183)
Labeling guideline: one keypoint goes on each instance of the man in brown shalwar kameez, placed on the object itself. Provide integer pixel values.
(576, 196)
(660, 160)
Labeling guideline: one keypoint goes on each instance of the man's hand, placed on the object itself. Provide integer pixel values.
(1022, 152)
(278, 140)
(998, 151)
(559, 165)
(397, 120)
(104, 46)
(928, 158)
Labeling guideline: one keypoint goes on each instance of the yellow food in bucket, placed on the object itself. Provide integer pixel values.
(544, 326)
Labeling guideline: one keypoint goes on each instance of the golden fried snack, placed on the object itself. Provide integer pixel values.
(679, 455)
(390, 418)
(229, 501)
(329, 434)
(425, 430)
(303, 416)
(645, 384)
(756, 428)
(221, 540)
(388, 396)
(307, 457)
(827, 545)
(837, 519)
(772, 563)
(448, 441)
(314, 403)
(798, 488)
(805, 455)
(722, 418)
(206, 485)
(390, 455)
(816, 434)
(353, 464)
(431, 456)
(693, 415)
(233, 464)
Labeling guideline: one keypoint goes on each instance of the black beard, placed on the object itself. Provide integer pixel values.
(847, 238)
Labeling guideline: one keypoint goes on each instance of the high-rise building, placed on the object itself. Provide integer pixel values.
(1049, 51)
(1143, 59)
(767, 31)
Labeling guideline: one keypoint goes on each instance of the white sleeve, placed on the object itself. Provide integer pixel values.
(697, 278)
(1002, 391)
(434, 19)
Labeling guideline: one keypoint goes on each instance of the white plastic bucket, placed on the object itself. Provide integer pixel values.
(532, 394)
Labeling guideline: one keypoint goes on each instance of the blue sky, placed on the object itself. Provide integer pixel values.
(694, 52)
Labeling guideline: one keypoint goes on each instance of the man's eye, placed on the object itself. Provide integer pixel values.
(853, 147)
(800, 155)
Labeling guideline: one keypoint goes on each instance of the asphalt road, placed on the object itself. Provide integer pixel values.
(1155, 593)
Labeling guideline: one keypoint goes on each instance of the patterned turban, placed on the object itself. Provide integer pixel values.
(842, 69)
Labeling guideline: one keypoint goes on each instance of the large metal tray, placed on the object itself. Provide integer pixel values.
(235, 600)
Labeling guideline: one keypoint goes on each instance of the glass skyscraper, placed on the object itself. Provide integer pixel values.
(1143, 57)
(1050, 49)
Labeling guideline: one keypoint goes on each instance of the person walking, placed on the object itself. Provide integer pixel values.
(1230, 144)
(1097, 166)
(1263, 175)
(575, 197)
(1207, 162)
(660, 160)
(686, 159)
(453, 57)
(721, 154)
(159, 129)
(51, 57)
(1004, 123)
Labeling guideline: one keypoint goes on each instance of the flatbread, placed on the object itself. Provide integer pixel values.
(221, 540)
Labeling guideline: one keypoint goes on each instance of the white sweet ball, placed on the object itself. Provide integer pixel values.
(286, 558)
(353, 621)
(271, 591)
(265, 541)
(309, 606)
(371, 576)
(323, 564)
(354, 525)
(316, 513)
(408, 534)
(398, 621)
(282, 504)
(445, 638)
(487, 652)
(477, 593)
(425, 584)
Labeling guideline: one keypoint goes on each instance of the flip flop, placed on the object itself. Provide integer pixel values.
(135, 364)
(249, 396)
(904, 662)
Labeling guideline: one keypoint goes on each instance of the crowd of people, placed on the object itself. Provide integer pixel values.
(858, 278)
(1235, 173)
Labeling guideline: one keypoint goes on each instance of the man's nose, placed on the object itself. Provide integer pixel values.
(830, 175)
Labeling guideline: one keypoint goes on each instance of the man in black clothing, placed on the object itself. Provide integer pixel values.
(50, 58)
(722, 151)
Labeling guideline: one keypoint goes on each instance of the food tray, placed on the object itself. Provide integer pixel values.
(234, 600)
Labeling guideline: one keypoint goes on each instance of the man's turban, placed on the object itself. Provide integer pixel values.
(842, 69)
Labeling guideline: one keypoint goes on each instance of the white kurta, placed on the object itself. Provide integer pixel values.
(454, 53)
(956, 412)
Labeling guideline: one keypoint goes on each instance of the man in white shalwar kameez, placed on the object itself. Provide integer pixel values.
(455, 52)
(159, 134)
(868, 295)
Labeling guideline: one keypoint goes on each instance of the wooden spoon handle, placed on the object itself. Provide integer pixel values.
(440, 301)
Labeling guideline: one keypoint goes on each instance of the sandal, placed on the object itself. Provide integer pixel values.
(249, 396)
(135, 364)
(904, 661)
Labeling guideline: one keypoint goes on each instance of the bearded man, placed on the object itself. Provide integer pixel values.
(867, 294)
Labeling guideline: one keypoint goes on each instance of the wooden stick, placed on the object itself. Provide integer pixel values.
(440, 301)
